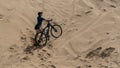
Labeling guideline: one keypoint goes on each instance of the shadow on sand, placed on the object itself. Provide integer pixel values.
(30, 49)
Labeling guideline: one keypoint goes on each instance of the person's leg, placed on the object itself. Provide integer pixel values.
(38, 30)
(47, 32)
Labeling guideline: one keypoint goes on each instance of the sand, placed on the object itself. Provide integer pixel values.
(90, 36)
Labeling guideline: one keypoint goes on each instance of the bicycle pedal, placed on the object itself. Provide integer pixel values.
(38, 41)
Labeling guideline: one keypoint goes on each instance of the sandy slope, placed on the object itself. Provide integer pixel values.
(87, 25)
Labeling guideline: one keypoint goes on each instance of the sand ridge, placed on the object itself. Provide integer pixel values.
(90, 36)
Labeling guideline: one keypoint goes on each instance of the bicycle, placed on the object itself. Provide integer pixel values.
(42, 37)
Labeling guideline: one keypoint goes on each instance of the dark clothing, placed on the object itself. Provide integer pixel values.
(39, 22)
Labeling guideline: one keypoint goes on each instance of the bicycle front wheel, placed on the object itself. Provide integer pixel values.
(56, 31)
(40, 39)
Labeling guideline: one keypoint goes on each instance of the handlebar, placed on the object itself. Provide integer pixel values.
(49, 20)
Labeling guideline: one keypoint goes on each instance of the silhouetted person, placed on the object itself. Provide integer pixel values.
(40, 19)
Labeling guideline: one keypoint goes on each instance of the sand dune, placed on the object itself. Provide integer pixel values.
(90, 36)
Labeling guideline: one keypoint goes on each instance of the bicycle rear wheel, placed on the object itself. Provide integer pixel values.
(56, 31)
(40, 39)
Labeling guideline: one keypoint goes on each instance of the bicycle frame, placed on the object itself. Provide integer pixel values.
(44, 34)
(48, 26)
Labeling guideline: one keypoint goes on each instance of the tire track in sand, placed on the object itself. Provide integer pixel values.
(84, 29)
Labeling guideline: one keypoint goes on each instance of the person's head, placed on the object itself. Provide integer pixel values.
(40, 13)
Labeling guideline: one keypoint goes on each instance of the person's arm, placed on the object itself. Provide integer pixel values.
(46, 19)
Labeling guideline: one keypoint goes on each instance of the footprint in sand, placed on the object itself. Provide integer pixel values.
(107, 52)
(78, 67)
(44, 50)
(91, 7)
(78, 15)
(88, 66)
(113, 6)
(104, 10)
(13, 48)
(26, 58)
(1, 16)
(101, 0)
(88, 12)
(53, 66)
(48, 54)
(94, 53)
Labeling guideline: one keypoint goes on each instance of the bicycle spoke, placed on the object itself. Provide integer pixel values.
(41, 39)
(56, 31)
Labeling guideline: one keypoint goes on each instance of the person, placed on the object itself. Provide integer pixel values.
(40, 19)
(37, 27)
